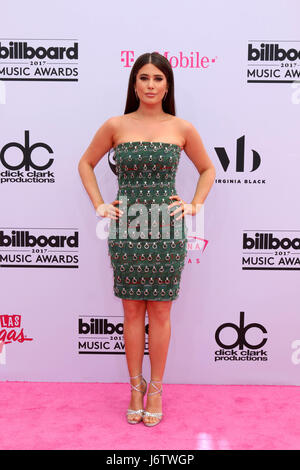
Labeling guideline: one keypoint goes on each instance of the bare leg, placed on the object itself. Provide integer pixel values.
(159, 339)
(134, 338)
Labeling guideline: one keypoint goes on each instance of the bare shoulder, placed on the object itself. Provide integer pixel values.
(113, 125)
(102, 141)
(183, 127)
(194, 147)
(184, 124)
(114, 121)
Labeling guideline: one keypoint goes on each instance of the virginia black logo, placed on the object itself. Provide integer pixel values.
(240, 156)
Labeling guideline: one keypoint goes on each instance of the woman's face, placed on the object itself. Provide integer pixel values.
(150, 79)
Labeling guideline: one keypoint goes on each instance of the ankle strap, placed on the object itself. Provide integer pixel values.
(157, 390)
(134, 387)
(136, 376)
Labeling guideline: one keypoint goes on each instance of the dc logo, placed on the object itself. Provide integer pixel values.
(27, 151)
(241, 330)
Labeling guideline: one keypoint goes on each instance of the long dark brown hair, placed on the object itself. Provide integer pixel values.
(162, 63)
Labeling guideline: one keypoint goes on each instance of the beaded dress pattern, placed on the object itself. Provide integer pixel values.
(147, 246)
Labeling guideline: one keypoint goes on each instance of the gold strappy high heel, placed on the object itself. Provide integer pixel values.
(148, 413)
(141, 411)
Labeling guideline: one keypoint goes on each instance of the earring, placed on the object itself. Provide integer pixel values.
(136, 95)
(165, 95)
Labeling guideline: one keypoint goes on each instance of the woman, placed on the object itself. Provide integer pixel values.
(146, 137)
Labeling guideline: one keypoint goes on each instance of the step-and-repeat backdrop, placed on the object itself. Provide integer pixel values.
(64, 70)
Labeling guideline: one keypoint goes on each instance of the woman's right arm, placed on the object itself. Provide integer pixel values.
(101, 143)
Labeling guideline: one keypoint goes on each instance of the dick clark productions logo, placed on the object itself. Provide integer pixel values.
(248, 350)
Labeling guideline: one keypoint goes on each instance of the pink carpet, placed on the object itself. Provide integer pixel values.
(87, 416)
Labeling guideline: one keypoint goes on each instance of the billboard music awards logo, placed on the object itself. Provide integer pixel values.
(273, 61)
(52, 248)
(10, 332)
(238, 343)
(20, 162)
(54, 60)
(103, 335)
(276, 250)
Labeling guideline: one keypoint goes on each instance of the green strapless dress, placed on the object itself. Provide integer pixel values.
(147, 246)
